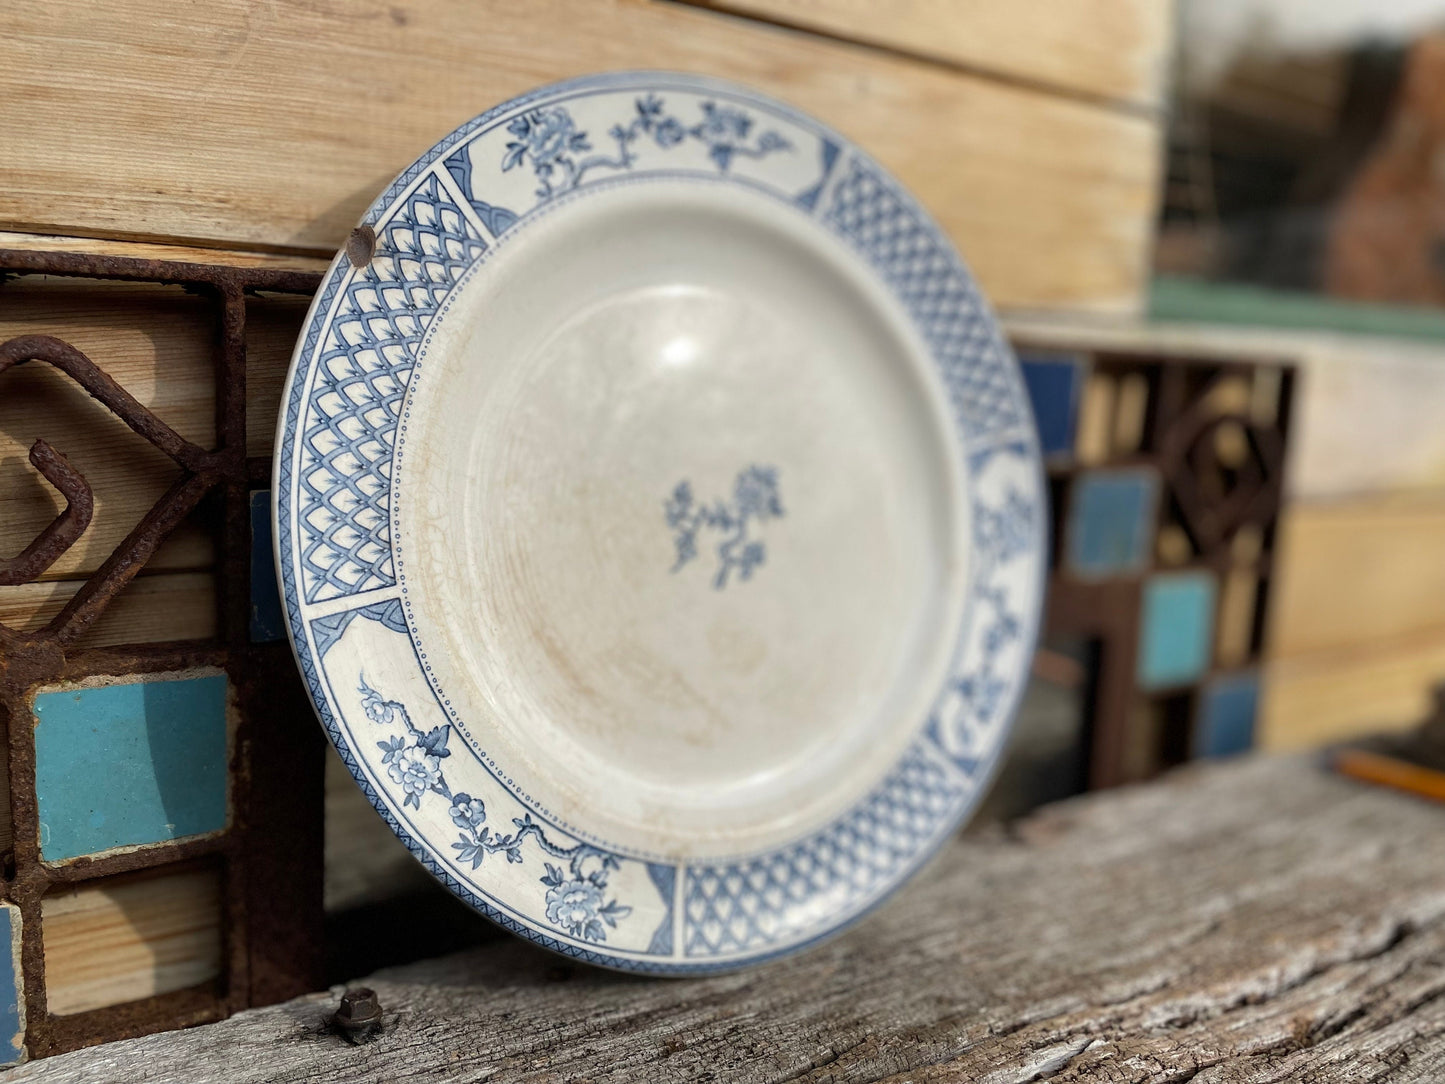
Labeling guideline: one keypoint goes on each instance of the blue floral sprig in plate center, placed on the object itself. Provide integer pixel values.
(755, 500)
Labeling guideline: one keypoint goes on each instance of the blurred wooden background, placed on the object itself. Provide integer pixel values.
(241, 132)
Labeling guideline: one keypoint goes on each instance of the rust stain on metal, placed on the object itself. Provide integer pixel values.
(63, 531)
(271, 853)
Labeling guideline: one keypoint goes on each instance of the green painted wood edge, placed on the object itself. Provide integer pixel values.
(1196, 301)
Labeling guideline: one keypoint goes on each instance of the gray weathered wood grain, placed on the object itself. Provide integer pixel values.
(1253, 922)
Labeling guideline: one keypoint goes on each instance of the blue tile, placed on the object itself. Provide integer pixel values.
(12, 990)
(1176, 633)
(121, 765)
(267, 623)
(1053, 384)
(1225, 723)
(1110, 528)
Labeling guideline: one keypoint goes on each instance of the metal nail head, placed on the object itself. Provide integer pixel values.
(358, 1016)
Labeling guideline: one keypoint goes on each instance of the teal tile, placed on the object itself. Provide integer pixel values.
(12, 990)
(1176, 631)
(1111, 522)
(121, 765)
(1225, 723)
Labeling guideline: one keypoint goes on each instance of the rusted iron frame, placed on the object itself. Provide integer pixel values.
(1107, 612)
(252, 917)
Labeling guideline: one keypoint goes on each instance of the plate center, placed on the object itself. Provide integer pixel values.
(681, 519)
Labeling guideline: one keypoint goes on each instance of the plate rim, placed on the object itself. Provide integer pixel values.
(288, 435)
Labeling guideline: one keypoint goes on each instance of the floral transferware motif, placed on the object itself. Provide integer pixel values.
(1001, 534)
(576, 899)
(755, 500)
(561, 154)
(867, 210)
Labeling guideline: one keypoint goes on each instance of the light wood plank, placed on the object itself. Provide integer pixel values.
(1329, 696)
(150, 609)
(128, 938)
(273, 324)
(1235, 629)
(1115, 49)
(1357, 572)
(1251, 923)
(1096, 420)
(273, 126)
(1368, 421)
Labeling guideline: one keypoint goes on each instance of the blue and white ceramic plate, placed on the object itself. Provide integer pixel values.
(660, 523)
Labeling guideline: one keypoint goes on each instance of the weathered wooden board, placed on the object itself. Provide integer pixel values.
(131, 937)
(149, 609)
(1368, 420)
(273, 324)
(1114, 49)
(1253, 922)
(274, 125)
(1370, 569)
(1328, 696)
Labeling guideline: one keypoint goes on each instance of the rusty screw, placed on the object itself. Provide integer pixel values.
(361, 246)
(359, 1015)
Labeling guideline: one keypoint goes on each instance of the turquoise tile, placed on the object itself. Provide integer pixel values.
(120, 765)
(1053, 386)
(1225, 722)
(1176, 631)
(1110, 529)
(12, 990)
(267, 624)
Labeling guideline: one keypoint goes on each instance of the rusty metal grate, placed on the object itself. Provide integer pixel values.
(270, 854)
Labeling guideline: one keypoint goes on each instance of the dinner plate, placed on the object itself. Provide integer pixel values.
(660, 523)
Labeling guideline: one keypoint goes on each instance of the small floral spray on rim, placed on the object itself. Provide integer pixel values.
(576, 899)
(561, 154)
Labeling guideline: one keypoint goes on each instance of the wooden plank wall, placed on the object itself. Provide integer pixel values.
(1358, 636)
(1107, 52)
(273, 125)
